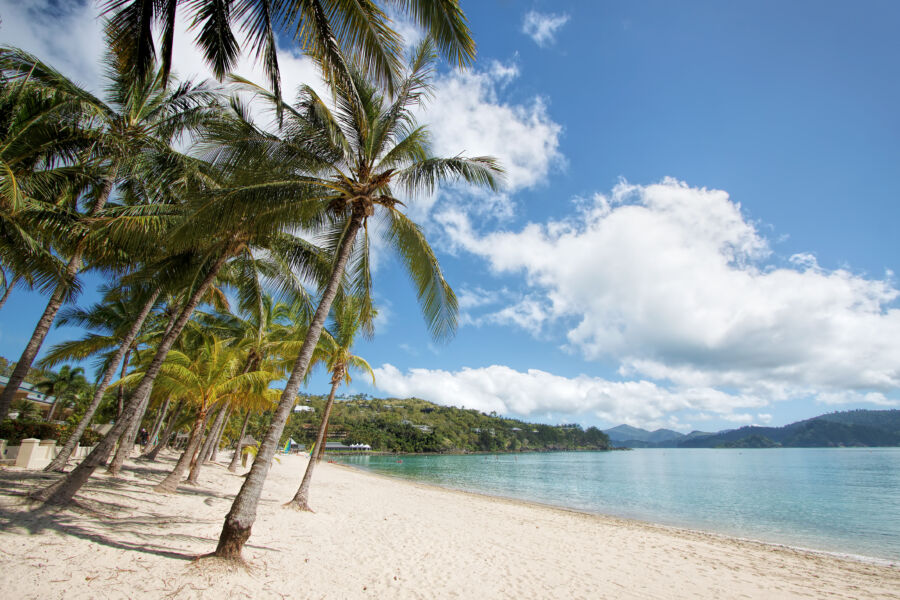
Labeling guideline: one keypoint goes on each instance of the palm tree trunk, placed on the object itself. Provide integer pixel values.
(126, 442)
(62, 491)
(213, 449)
(197, 462)
(170, 428)
(9, 288)
(236, 457)
(300, 501)
(320, 451)
(120, 394)
(56, 401)
(59, 463)
(159, 420)
(242, 515)
(37, 339)
(46, 320)
(169, 485)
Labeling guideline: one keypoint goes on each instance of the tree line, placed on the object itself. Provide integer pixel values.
(416, 425)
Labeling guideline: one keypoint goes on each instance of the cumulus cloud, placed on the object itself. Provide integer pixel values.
(468, 116)
(542, 27)
(534, 392)
(676, 284)
(67, 35)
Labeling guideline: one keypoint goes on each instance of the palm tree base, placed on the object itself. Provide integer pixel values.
(298, 506)
(165, 488)
(231, 541)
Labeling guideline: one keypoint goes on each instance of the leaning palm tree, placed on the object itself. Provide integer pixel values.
(360, 150)
(222, 219)
(141, 120)
(335, 349)
(42, 137)
(322, 28)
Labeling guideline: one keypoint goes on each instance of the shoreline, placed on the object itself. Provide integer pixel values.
(677, 529)
(377, 536)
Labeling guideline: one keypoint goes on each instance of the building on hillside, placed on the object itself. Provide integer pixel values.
(304, 408)
(26, 391)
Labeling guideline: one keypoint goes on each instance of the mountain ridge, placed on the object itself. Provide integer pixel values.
(852, 428)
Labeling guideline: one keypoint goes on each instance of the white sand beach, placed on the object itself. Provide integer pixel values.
(375, 537)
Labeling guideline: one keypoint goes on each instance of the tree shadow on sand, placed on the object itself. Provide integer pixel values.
(130, 516)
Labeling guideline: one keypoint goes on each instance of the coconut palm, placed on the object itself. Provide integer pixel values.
(368, 144)
(322, 28)
(141, 120)
(62, 385)
(215, 373)
(42, 136)
(223, 218)
(335, 349)
(120, 323)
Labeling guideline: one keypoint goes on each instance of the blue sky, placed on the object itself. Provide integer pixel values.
(698, 229)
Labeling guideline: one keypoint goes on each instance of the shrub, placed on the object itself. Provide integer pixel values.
(16, 431)
(89, 437)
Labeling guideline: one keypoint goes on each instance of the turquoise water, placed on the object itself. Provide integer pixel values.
(843, 500)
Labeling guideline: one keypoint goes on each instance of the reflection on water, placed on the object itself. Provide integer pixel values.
(841, 500)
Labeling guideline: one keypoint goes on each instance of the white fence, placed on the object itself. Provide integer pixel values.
(35, 454)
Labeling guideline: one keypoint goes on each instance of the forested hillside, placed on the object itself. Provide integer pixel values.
(414, 425)
(849, 428)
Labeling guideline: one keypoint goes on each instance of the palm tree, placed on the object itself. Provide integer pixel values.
(215, 373)
(369, 143)
(41, 135)
(63, 385)
(336, 353)
(221, 219)
(118, 327)
(322, 28)
(141, 120)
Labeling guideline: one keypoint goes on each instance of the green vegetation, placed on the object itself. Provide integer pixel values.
(751, 441)
(414, 425)
(14, 431)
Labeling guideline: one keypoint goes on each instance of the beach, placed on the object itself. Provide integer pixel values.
(377, 537)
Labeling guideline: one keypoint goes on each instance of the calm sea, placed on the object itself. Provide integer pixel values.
(836, 500)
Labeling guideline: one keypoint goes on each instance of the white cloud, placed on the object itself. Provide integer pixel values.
(467, 116)
(67, 35)
(535, 393)
(542, 27)
(851, 397)
(672, 282)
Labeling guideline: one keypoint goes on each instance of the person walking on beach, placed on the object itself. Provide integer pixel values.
(144, 437)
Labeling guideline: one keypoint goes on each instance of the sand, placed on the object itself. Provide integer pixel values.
(376, 537)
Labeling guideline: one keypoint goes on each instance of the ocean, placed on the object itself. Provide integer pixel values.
(842, 500)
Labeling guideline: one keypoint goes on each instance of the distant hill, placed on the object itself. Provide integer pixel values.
(624, 433)
(634, 437)
(415, 425)
(848, 428)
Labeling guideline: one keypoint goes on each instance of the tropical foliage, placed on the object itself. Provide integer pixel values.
(224, 241)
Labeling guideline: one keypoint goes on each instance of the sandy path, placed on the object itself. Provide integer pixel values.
(375, 537)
